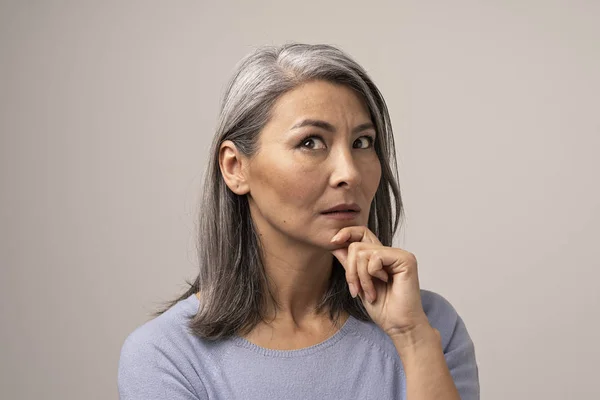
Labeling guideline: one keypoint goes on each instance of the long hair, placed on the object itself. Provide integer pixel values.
(232, 280)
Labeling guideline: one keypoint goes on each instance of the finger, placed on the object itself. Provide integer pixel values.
(375, 268)
(351, 272)
(366, 280)
(357, 233)
(396, 260)
(361, 295)
(341, 255)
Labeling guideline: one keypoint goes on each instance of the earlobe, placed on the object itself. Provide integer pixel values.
(232, 164)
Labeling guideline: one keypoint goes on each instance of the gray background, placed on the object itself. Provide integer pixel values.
(108, 108)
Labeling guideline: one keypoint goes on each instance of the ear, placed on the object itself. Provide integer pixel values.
(233, 168)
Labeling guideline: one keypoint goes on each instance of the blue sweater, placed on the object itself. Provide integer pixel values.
(162, 360)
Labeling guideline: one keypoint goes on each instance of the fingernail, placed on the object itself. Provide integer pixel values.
(333, 239)
(353, 291)
(370, 297)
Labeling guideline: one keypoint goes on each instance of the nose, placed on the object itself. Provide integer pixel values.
(344, 172)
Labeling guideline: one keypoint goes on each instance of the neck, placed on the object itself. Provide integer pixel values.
(298, 276)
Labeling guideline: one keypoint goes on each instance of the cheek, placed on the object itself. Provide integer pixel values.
(286, 189)
(371, 176)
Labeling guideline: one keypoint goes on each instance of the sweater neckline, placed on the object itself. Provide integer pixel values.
(239, 341)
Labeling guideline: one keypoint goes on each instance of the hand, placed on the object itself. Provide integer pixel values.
(393, 299)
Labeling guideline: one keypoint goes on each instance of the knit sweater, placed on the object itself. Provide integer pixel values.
(161, 359)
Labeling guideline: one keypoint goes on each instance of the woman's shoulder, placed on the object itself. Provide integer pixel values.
(155, 356)
(444, 317)
(459, 349)
(437, 307)
(169, 327)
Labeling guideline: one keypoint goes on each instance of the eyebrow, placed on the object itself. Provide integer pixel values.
(330, 128)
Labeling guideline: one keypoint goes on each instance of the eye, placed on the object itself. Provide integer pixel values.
(363, 142)
(312, 143)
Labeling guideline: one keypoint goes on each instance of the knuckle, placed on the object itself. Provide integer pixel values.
(374, 267)
(353, 246)
(362, 254)
(412, 257)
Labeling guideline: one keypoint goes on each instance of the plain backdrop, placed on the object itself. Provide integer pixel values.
(107, 113)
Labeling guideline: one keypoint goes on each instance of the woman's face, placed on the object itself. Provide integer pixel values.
(317, 152)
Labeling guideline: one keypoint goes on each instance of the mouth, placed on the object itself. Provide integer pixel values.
(343, 208)
(341, 215)
(342, 211)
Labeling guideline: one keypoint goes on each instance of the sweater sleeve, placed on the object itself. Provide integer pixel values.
(149, 370)
(460, 357)
(459, 349)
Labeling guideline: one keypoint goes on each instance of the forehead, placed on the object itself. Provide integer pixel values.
(332, 102)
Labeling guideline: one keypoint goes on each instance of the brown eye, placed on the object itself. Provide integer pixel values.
(363, 142)
(313, 143)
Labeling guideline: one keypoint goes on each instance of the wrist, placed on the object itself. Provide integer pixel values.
(410, 341)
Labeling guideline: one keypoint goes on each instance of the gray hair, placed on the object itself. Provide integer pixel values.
(234, 286)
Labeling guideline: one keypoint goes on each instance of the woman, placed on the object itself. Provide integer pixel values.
(300, 295)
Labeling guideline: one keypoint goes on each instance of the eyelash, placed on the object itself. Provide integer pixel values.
(301, 145)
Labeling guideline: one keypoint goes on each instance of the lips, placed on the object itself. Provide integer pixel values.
(341, 208)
